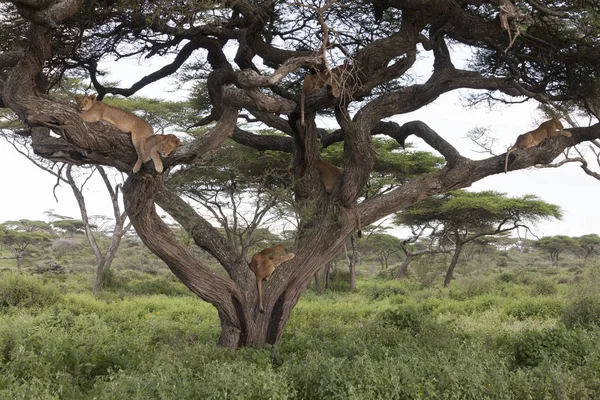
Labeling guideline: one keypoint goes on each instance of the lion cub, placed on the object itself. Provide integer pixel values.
(264, 263)
(95, 110)
(156, 146)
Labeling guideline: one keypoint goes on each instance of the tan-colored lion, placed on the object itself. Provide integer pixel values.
(264, 263)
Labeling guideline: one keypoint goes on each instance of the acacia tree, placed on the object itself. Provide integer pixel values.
(554, 58)
(555, 245)
(411, 250)
(19, 236)
(384, 246)
(590, 244)
(467, 216)
(242, 190)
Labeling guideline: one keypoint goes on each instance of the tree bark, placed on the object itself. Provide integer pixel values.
(404, 266)
(327, 274)
(318, 284)
(235, 298)
(453, 262)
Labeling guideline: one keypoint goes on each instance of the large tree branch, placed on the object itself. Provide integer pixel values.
(465, 172)
(183, 55)
(204, 234)
(139, 194)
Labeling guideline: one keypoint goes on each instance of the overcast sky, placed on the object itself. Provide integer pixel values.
(28, 191)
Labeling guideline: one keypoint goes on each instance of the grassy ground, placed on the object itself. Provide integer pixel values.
(511, 334)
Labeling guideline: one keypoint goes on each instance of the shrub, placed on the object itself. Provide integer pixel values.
(339, 281)
(531, 347)
(25, 291)
(535, 308)
(543, 287)
(382, 291)
(507, 277)
(406, 316)
(582, 312)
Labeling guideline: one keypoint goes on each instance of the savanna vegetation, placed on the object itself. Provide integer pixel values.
(511, 326)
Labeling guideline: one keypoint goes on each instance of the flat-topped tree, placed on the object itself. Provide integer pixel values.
(460, 217)
(553, 58)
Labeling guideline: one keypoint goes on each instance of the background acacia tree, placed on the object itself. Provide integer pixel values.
(463, 217)
(589, 244)
(555, 245)
(19, 236)
(555, 58)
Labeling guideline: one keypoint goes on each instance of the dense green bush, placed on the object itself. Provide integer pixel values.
(535, 307)
(25, 291)
(543, 287)
(387, 340)
(583, 311)
(339, 280)
(383, 290)
(532, 347)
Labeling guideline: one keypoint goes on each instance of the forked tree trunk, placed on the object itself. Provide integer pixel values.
(235, 297)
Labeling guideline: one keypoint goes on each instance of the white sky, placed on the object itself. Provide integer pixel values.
(28, 191)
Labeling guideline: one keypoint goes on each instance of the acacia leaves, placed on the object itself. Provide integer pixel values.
(478, 209)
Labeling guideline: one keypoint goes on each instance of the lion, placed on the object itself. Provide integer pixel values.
(550, 128)
(264, 263)
(159, 145)
(96, 110)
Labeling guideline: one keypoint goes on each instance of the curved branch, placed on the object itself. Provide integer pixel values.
(183, 55)
(263, 142)
(139, 194)
(465, 172)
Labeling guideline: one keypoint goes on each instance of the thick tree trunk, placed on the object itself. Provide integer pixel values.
(404, 266)
(235, 297)
(453, 263)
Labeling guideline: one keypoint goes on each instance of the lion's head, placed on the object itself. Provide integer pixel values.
(169, 144)
(85, 102)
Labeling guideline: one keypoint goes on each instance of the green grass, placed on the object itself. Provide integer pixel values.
(490, 337)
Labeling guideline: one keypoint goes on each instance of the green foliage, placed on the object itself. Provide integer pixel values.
(543, 287)
(70, 226)
(133, 283)
(384, 290)
(407, 317)
(393, 165)
(486, 338)
(535, 308)
(555, 245)
(590, 244)
(477, 209)
(583, 311)
(25, 291)
(238, 168)
(531, 347)
(27, 225)
(339, 281)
